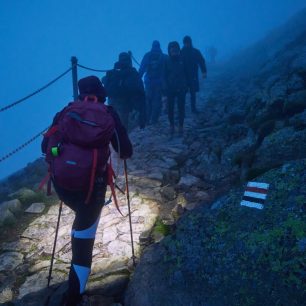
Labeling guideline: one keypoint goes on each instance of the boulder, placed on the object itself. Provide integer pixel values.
(10, 260)
(232, 254)
(280, 147)
(113, 285)
(188, 181)
(26, 196)
(296, 103)
(7, 217)
(6, 287)
(14, 206)
(38, 281)
(298, 121)
(8, 210)
(168, 193)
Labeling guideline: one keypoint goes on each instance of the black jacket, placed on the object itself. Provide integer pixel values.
(123, 82)
(193, 60)
(175, 75)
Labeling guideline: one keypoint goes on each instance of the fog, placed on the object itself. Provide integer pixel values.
(38, 39)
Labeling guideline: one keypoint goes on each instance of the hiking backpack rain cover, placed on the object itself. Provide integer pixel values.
(78, 145)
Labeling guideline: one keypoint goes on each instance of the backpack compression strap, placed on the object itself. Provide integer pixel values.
(92, 175)
(51, 131)
(46, 180)
(110, 182)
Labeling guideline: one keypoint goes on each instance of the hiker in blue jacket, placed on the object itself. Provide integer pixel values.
(194, 60)
(151, 68)
(87, 214)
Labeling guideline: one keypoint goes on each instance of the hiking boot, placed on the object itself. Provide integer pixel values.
(85, 301)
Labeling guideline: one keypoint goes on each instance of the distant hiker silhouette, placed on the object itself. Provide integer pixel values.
(152, 66)
(175, 85)
(125, 90)
(212, 52)
(77, 150)
(194, 60)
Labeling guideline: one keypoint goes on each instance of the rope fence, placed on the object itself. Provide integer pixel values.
(134, 59)
(73, 69)
(35, 92)
(92, 69)
(22, 146)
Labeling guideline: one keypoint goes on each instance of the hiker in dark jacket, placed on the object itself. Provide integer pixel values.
(151, 68)
(87, 214)
(125, 90)
(194, 60)
(175, 85)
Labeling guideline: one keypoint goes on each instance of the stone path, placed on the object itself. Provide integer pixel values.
(158, 189)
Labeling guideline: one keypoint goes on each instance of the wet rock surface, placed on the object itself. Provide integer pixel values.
(253, 129)
(157, 188)
(190, 233)
(231, 254)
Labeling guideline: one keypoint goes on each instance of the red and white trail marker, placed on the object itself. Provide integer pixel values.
(255, 195)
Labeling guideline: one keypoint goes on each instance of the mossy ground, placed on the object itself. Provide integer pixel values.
(244, 256)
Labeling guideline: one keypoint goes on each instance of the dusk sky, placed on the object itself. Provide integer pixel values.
(38, 38)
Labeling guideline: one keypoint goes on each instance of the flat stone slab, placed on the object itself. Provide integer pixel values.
(188, 181)
(38, 282)
(36, 208)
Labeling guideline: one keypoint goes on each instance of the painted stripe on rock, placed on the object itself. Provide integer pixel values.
(252, 204)
(255, 195)
(258, 185)
(258, 190)
(251, 199)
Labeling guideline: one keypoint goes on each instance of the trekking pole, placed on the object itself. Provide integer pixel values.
(54, 245)
(129, 208)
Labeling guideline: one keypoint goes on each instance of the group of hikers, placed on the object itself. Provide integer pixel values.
(167, 78)
(76, 146)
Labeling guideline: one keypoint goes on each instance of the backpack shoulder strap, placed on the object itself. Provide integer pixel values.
(92, 175)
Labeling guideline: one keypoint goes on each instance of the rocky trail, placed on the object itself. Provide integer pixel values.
(160, 192)
(195, 244)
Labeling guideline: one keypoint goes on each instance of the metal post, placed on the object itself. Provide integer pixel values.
(74, 66)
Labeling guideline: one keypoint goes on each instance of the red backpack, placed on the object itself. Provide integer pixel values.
(78, 146)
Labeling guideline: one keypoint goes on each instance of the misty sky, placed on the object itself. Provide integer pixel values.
(38, 38)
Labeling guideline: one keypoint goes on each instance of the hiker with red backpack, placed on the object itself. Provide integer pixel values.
(77, 150)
